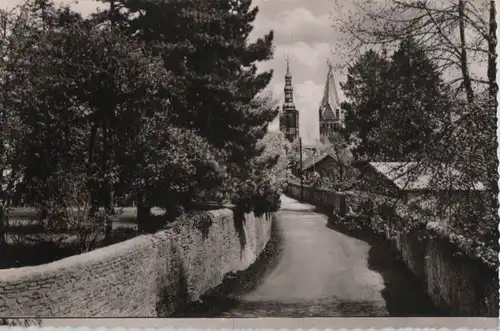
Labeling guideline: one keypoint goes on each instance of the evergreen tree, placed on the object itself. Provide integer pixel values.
(204, 44)
(396, 107)
(364, 90)
(417, 105)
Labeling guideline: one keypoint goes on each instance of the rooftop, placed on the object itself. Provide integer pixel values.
(343, 154)
(411, 176)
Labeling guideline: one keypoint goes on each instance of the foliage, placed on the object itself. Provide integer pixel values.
(217, 87)
(337, 185)
(77, 113)
(271, 164)
(268, 178)
(293, 158)
(363, 88)
(455, 34)
(130, 103)
(395, 105)
(410, 115)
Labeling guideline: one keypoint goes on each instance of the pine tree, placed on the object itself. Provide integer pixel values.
(366, 103)
(417, 106)
(204, 44)
(396, 106)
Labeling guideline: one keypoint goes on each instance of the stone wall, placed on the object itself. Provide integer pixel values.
(315, 195)
(455, 282)
(147, 276)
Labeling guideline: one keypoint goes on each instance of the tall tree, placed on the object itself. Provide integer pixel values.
(453, 33)
(364, 89)
(458, 36)
(396, 107)
(205, 46)
(96, 121)
(417, 106)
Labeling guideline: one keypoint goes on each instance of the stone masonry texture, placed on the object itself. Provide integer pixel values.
(147, 276)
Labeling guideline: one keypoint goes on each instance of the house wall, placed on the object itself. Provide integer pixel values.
(147, 276)
(331, 169)
(328, 168)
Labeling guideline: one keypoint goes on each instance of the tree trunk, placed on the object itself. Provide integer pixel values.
(493, 90)
(143, 215)
(492, 54)
(106, 189)
(463, 54)
(110, 210)
(90, 182)
(2, 227)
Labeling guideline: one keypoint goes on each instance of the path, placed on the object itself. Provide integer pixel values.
(322, 272)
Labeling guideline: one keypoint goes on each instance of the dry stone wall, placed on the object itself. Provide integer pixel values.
(147, 276)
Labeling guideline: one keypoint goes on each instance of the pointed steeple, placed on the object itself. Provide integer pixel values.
(288, 74)
(329, 110)
(288, 105)
(289, 119)
(330, 102)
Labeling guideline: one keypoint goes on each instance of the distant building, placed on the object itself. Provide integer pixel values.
(309, 150)
(439, 193)
(330, 119)
(289, 117)
(330, 164)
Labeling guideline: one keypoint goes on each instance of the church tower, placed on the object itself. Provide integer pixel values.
(329, 110)
(289, 118)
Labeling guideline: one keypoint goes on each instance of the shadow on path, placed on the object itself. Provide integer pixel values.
(404, 294)
(228, 307)
(223, 298)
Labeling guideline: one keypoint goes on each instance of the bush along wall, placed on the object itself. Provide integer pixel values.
(457, 277)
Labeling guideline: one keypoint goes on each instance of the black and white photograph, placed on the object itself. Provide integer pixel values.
(248, 159)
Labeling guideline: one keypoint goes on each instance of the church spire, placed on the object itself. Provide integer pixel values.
(329, 110)
(288, 74)
(288, 105)
(289, 119)
(330, 96)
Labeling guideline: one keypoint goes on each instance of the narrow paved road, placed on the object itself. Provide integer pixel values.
(321, 272)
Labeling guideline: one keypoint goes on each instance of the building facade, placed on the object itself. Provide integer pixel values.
(289, 117)
(330, 117)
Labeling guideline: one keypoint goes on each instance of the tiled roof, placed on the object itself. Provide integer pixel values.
(312, 160)
(330, 100)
